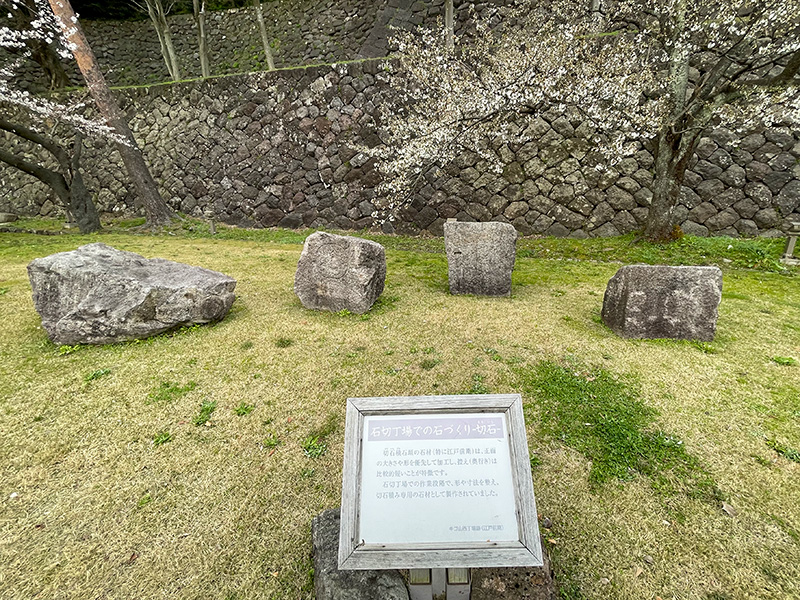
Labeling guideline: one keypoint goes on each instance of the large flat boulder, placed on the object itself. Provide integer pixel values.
(656, 301)
(337, 272)
(99, 295)
(480, 257)
(332, 584)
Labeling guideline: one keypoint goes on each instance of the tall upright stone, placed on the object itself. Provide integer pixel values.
(337, 272)
(657, 301)
(480, 257)
(100, 295)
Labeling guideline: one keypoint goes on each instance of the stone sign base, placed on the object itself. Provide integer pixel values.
(332, 584)
(524, 583)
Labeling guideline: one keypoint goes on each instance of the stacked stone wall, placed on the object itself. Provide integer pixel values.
(301, 32)
(281, 148)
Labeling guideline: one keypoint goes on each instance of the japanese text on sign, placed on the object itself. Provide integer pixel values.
(446, 428)
(437, 477)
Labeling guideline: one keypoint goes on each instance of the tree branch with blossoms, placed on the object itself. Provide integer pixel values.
(626, 71)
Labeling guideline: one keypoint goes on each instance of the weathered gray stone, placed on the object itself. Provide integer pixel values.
(619, 199)
(767, 218)
(480, 257)
(776, 180)
(709, 188)
(7, 217)
(605, 230)
(516, 209)
(337, 272)
(789, 198)
(760, 193)
(624, 222)
(332, 584)
(692, 228)
(657, 301)
(557, 230)
(746, 208)
(723, 219)
(703, 212)
(747, 227)
(528, 583)
(100, 295)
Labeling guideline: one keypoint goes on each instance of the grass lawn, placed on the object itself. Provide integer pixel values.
(190, 465)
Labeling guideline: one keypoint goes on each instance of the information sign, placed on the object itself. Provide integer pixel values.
(437, 481)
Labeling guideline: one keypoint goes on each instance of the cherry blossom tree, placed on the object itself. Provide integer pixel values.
(45, 54)
(56, 21)
(623, 67)
(58, 166)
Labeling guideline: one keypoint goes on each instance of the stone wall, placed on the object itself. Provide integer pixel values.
(279, 148)
(302, 32)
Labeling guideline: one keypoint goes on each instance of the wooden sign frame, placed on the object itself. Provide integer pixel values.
(353, 554)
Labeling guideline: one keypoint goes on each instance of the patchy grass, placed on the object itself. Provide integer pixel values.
(225, 511)
(784, 450)
(784, 361)
(603, 417)
(97, 374)
(244, 409)
(162, 437)
(207, 408)
(745, 253)
(168, 391)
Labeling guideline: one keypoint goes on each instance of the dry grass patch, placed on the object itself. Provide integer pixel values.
(120, 481)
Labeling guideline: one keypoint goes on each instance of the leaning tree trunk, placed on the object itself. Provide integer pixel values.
(155, 9)
(199, 8)
(262, 28)
(67, 184)
(156, 210)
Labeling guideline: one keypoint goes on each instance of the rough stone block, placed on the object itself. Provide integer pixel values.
(337, 272)
(7, 217)
(480, 257)
(530, 583)
(332, 584)
(99, 295)
(656, 301)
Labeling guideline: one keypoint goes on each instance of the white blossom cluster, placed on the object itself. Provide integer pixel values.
(625, 72)
(44, 26)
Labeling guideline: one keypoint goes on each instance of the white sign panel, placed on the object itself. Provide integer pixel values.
(437, 478)
(437, 481)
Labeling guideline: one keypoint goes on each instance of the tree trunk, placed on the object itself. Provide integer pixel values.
(82, 207)
(449, 35)
(659, 226)
(262, 28)
(67, 186)
(199, 7)
(80, 201)
(155, 9)
(673, 151)
(156, 211)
